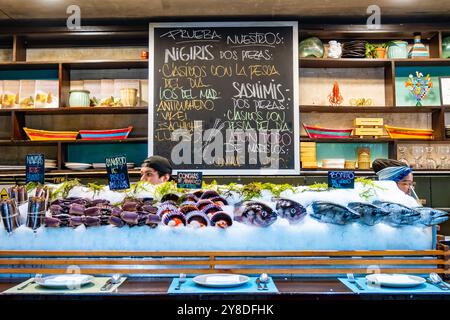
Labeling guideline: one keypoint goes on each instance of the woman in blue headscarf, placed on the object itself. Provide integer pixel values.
(393, 170)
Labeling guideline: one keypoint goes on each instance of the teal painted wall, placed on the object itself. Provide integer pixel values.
(96, 153)
(349, 151)
(402, 95)
(51, 74)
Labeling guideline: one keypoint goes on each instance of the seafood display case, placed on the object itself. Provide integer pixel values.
(241, 222)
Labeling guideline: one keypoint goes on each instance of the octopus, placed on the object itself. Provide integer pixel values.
(335, 98)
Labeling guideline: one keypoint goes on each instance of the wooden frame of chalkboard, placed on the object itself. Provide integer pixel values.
(227, 84)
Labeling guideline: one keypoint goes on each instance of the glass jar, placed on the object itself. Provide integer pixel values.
(446, 47)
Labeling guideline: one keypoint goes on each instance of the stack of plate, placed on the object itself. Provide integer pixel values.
(100, 165)
(50, 164)
(77, 165)
(8, 167)
(333, 163)
(354, 49)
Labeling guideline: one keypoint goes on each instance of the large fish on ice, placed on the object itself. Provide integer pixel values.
(399, 215)
(370, 213)
(333, 213)
(430, 216)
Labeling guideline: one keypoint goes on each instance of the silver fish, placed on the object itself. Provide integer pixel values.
(430, 216)
(333, 213)
(258, 214)
(293, 211)
(370, 214)
(399, 215)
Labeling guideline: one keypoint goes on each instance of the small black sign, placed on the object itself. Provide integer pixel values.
(35, 168)
(117, 171)
(341, 179)
(189, 180)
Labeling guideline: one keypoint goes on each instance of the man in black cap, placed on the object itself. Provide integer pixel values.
(156, 170)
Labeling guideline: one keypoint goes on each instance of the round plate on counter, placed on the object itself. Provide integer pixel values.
(64, 281)
(220, 280)
(77, 165)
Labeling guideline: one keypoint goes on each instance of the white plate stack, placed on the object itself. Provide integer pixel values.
(50, 164)
(77, 165)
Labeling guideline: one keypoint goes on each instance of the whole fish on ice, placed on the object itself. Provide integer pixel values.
(370, 214)
(333, 213)
(399, 215)
(430, 216)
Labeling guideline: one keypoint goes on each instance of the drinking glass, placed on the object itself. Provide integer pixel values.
(443, 152)
(430, 163)
(417, 153)
(402, 151)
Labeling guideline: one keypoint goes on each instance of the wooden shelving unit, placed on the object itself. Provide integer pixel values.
(21, 39)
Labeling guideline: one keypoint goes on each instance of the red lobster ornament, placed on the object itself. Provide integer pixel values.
(335, 97)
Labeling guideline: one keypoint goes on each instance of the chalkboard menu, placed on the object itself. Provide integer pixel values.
(35, 168)
(223, 97)
(117, 171)
(341, 179)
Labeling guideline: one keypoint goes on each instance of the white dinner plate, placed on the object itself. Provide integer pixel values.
(220, 280)
(395, 280)
(64, 281)
(99, 165)
(77, 166)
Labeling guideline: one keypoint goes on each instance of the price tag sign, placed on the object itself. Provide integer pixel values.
(35, 168)
(189, 180)
(117, 171)
(341, 179)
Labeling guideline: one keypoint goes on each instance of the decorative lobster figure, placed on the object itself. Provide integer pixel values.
(335, 97)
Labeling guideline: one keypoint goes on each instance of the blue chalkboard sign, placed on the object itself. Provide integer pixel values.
(117, 171)
(341, 179)
(35, 168)
(189, 180)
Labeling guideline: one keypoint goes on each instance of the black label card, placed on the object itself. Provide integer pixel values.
(117, 171)
(35, 168)
(341, 179)
(189, 180)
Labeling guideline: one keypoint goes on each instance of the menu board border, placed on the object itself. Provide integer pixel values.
(295, 65)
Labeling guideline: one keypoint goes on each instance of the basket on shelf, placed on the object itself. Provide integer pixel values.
(113, 134)
(44, 135)
(327, 133)
(409, 133)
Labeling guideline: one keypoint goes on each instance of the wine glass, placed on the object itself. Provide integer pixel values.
(402, 150)
(430, 163)
(417, 153)
(444, 152)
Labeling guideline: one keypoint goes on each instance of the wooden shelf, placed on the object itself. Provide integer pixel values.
(79, 110)
(129, 140)
(347, 140)
(344, 63)
(369, 63)
(360, 32)
(422, 62)
(368, 140)
(350, 109)
(23, 65)
(106, 64)
(78, 141)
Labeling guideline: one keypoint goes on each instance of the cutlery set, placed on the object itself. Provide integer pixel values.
(433, 279)
(262, 279)
(111, 281)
